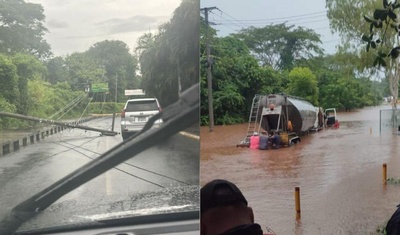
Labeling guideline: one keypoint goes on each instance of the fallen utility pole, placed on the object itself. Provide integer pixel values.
(70, 125)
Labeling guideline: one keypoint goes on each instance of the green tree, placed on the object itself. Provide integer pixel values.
(303, 83)
(183, 40)
(329, 69)
(280, 46)
(371, 19)
(56, 70)
(28, 67)
(348, 93)
(346, 17)
(169, 61)
(237, 77)
(384, 36)
(8, 80)
(6, 106)
(120, 66)
(21, 28)
(83, 70)
(48, 99)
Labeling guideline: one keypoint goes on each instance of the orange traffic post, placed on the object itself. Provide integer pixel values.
(297, 201)
(370, 130)
(384, 173)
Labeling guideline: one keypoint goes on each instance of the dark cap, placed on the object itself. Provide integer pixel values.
(218, 193)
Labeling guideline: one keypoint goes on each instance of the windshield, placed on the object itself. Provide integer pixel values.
(64, 162)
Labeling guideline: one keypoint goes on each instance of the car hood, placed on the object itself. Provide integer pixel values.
(89, 211)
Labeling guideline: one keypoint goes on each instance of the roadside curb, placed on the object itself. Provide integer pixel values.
(184, 133)
(13, 145)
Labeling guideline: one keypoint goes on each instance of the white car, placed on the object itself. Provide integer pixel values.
(136, 113)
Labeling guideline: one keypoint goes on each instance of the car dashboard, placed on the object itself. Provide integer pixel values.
(189, 227)
(178, 223)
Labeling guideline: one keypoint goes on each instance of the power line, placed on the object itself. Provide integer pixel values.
(231, 17)
(295, 18)
(266, 23)
(290, 17)
(283, 19)
(227, 22)
(232, 23)
(126, 163)
(251, 22)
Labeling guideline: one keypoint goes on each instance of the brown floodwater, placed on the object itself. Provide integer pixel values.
(339, 172)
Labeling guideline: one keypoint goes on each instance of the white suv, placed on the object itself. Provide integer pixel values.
(136, 113)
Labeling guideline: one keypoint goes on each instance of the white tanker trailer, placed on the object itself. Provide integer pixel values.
(289, 116)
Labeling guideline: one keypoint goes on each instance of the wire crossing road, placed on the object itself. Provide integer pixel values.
(174, 162)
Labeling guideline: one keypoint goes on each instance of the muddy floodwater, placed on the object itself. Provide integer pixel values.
(339, 172)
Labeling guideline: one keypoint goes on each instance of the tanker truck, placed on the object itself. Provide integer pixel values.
(289, 116)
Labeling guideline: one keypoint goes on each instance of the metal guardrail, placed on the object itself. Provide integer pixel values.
(13, 145)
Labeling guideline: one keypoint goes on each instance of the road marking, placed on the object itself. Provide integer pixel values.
(108, 183)
(108, 175)
(189, 135)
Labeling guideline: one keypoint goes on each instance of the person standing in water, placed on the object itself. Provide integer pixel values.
(275, 140)
(254, 141)
(263, 145)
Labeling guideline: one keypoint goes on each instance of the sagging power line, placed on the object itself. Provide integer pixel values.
(226, 20)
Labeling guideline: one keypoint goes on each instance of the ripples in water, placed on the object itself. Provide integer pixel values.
(339, 173)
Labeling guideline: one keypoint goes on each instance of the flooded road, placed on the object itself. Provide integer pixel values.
(339, 172)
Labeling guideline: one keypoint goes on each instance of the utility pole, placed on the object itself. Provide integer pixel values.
(179, 78)
(116, 98)
(209, 74)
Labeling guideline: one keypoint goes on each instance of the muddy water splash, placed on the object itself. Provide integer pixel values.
(339, 173)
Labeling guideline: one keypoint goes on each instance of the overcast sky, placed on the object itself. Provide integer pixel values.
(232, 15)
(75, 25)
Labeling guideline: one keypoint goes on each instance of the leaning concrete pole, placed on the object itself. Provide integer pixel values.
(70, 125)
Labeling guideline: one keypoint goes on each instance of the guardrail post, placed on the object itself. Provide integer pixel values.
(6, 148)
(16, 145)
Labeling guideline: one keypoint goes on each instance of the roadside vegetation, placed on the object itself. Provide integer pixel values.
(287, 59)
(34, 82)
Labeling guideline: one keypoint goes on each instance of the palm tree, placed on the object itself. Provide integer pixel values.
(169, 60)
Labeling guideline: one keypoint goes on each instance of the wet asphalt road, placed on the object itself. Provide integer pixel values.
(175, 162)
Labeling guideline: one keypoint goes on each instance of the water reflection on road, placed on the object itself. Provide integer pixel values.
(339, 173)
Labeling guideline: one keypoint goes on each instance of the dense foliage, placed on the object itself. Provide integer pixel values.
(21, 28)
(36, 84)
(280, 46)
(280, 59)
(169, 61)
(371, 36)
